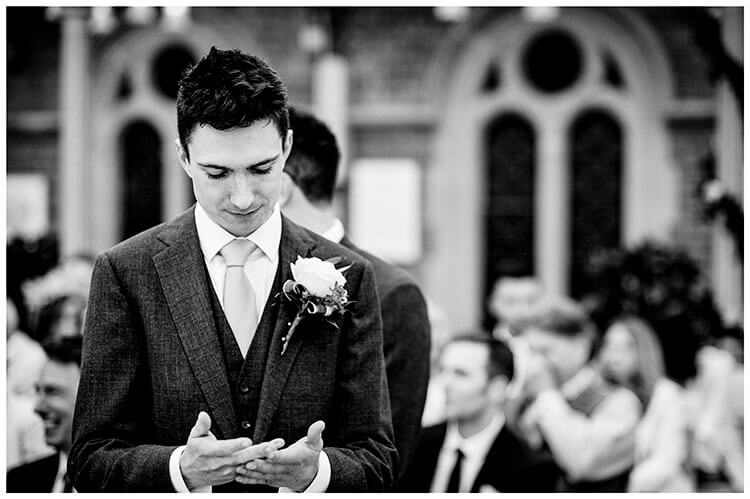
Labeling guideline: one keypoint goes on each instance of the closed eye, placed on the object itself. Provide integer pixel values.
(221, 174)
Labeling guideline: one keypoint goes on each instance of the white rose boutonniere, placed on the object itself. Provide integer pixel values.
(317, 289)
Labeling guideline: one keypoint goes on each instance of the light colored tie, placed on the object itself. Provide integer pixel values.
(239, 296)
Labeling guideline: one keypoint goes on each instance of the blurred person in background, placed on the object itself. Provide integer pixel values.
(56, 394)
(510, 302)
(715, 408)
(25, 431)
(434, 405)
(475, 450)
(61, 317)
(631, 356)
(307, 192)
(586, 424)
(25, 355)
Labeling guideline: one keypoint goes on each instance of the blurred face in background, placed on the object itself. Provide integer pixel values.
(463, 370)
(618, 355)
(11, 319)
(70, 320)
(56, 397)
(564, 355)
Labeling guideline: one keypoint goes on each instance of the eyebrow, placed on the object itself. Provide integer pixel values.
(254, 165)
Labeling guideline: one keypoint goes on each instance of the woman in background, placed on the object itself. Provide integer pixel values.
(631, 356)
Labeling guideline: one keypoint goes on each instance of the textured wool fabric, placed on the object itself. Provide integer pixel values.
(152, 359)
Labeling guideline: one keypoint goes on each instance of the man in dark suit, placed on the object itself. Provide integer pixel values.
(307, 198)
(192, 376)
(475, 451)
(56, 395)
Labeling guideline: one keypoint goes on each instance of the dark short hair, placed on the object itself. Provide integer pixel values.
(315, 156)
(499, 356)
(558, 315)
(65, 350)
(228, 89)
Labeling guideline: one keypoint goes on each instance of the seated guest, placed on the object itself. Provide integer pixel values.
(57, 388)
(475, 450)
(631, 356)
(586, 424)
(24, 429)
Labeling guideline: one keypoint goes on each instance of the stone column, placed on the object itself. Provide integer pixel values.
(552, 210)
(330, 101)
(74, 119)
(727, 268)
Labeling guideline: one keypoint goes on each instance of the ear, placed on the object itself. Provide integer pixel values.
(498, 387)
(288, 143)
(182, 155)
(287, 188)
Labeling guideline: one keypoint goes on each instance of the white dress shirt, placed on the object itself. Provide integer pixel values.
(335, 232)
(62, 469)
(474, 449)
(260, 269)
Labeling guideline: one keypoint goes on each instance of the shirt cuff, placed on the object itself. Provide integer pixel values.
(322, 479)
(175, 474)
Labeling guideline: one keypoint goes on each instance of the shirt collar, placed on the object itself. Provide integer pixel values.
(335, 232)
(477, 445)
(213, 237)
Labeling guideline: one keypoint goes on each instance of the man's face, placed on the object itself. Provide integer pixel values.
(565, 355)
(236, 173)
(463, 368)
(56, 397)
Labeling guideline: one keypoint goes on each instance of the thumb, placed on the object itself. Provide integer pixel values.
(202, 426)
(315, 435)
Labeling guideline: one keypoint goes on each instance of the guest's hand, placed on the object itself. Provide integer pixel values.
(539, 376)
(294, 467)
(209, 461)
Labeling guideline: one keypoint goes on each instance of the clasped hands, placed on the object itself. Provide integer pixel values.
(209, 461)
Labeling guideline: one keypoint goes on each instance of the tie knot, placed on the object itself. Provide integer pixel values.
(236, 252)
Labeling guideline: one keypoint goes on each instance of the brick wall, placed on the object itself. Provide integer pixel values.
(690, 143)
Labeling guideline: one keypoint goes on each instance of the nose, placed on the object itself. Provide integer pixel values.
(40, 407)
(242, 195)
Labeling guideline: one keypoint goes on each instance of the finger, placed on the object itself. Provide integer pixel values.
(263, 450)
(226, 448)
(249, 481)
(266, 467)
(201, 427)
(315, 435)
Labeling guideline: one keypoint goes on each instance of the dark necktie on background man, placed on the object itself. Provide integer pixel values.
(455, 479)
(239, 296)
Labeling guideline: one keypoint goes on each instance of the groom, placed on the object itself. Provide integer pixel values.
(191, 379)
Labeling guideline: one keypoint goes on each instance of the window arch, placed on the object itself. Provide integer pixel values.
(141, 177)
(509, 215)
(595, 141)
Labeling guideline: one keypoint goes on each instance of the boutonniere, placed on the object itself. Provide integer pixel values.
(317, 289)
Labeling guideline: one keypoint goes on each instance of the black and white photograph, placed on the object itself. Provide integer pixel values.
(384, 249)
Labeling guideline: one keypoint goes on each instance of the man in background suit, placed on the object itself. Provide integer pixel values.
(307, 198)
(475, 451)
(56, 395)
(191, 379)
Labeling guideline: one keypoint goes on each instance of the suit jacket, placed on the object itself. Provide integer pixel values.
(36, 476)
(510, 465)
(406, 346)
(152, 360)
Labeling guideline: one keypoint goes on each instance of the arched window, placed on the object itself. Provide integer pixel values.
(509, 242)
(141, 176)
(596, 168)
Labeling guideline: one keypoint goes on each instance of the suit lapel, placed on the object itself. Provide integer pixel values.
(294, 242)
(182, 273)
